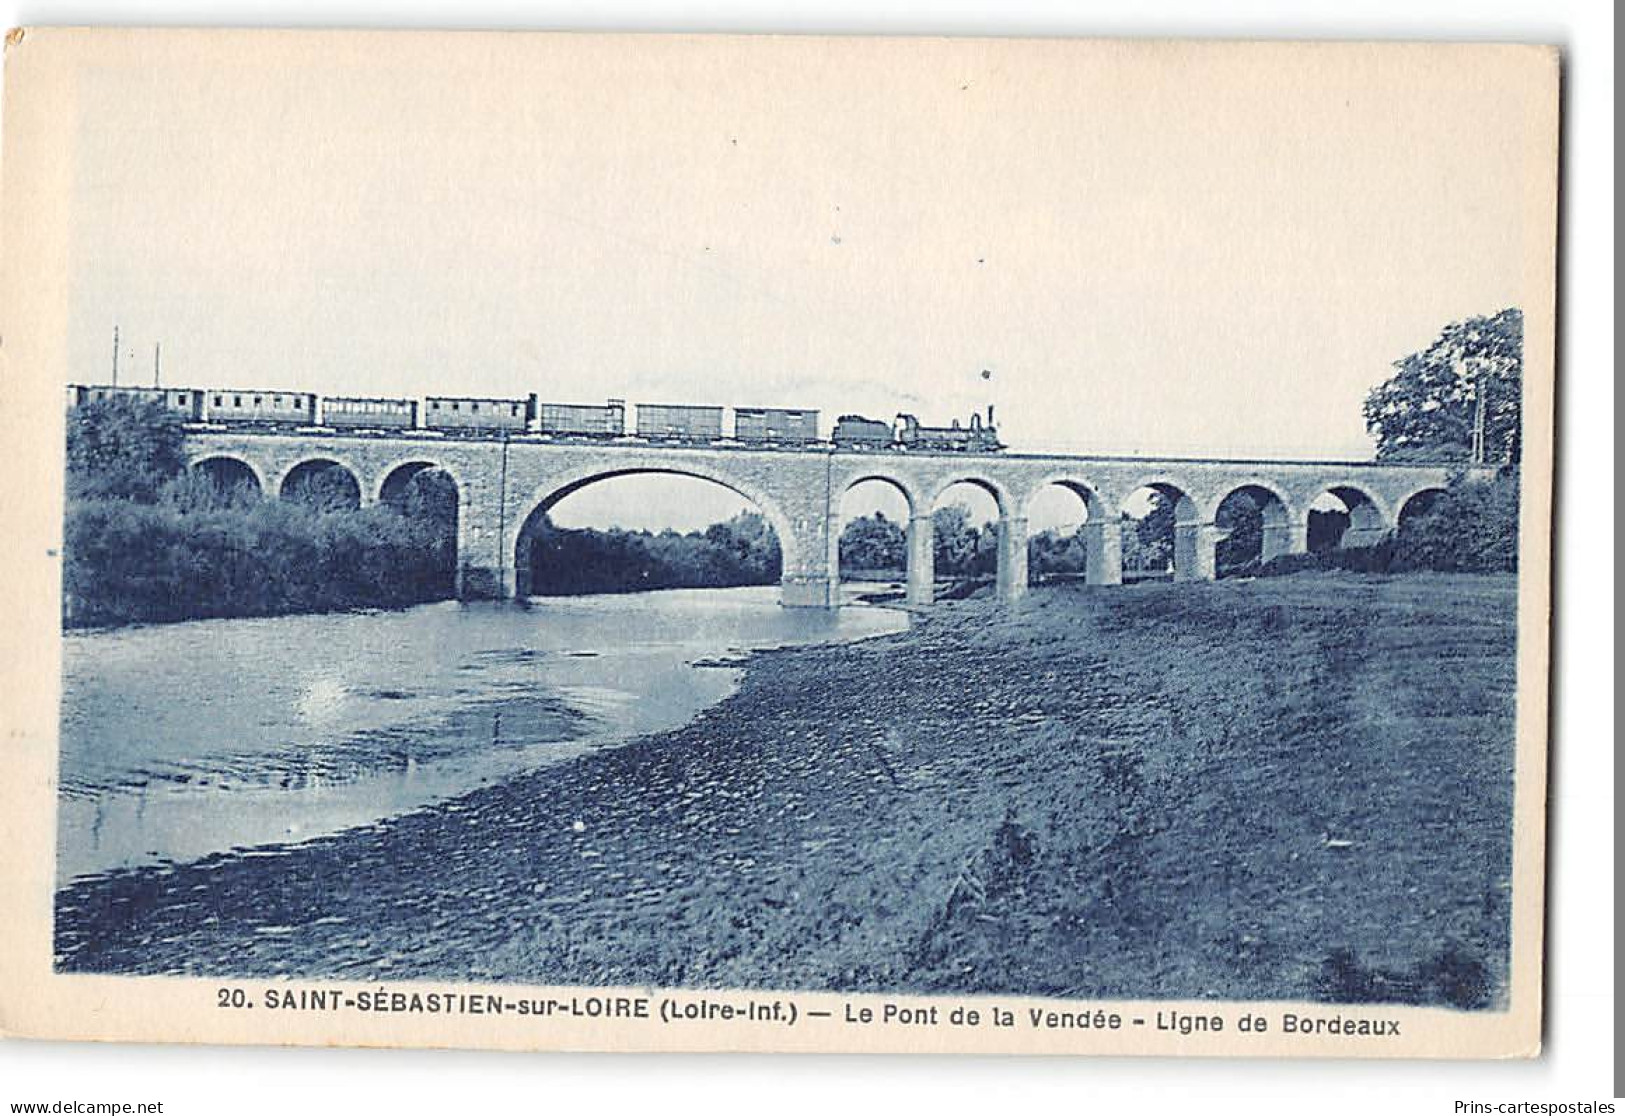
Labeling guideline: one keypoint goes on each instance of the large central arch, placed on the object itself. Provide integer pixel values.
(544, 499)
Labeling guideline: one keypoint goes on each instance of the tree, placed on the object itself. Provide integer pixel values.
(1051, 552)
(1429, 409)
(123, 448)
(1148, 542)
(743, 550)
(957, 541)
(873, 542)
(431, 494)
(1243, 518)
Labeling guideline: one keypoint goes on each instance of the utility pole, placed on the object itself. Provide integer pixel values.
(1478, 425)
(115, 355)
(156, 346)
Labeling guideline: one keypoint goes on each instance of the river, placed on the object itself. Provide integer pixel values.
(181, 740)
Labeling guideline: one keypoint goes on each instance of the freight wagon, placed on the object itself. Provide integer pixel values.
(665, 422)
(358, 413)
(775, 425)
(575, 420)
(446, 412)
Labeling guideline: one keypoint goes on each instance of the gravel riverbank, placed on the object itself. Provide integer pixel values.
(1298, 787)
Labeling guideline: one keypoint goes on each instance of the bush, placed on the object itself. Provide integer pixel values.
(144, 539)
(1360, 559)
(1471, 528)
(1052, 555)
(123, 448)
(742, 551)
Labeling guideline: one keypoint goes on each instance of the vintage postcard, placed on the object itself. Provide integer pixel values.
(639, 542)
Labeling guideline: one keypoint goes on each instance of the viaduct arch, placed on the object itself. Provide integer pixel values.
(228, 469)
(342, 483)
(502, 485)
(531, 510)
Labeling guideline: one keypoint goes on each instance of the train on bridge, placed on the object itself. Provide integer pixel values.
(529, 417)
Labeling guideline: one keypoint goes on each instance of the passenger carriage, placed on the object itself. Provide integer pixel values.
(345, 412)
(259, 407)
(479, 415)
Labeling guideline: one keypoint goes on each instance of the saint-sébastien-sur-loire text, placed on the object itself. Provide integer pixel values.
(677, 1010)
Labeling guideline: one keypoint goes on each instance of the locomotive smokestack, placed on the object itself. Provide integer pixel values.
(990, 414)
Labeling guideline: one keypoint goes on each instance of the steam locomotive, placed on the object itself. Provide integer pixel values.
(484, 417)
(857, 432)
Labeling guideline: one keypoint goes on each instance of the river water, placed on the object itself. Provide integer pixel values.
(182, 740)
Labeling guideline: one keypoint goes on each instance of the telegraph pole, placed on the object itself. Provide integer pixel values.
(1478, 425)
(115, 355)
(156, 347)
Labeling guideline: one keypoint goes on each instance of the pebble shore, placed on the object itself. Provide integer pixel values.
(1296, 788)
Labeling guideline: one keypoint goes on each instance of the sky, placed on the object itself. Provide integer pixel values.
(1150, 247)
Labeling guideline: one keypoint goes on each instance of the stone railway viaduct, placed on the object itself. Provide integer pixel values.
(504, 487)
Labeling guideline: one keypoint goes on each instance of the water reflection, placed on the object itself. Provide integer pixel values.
(186, 739)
